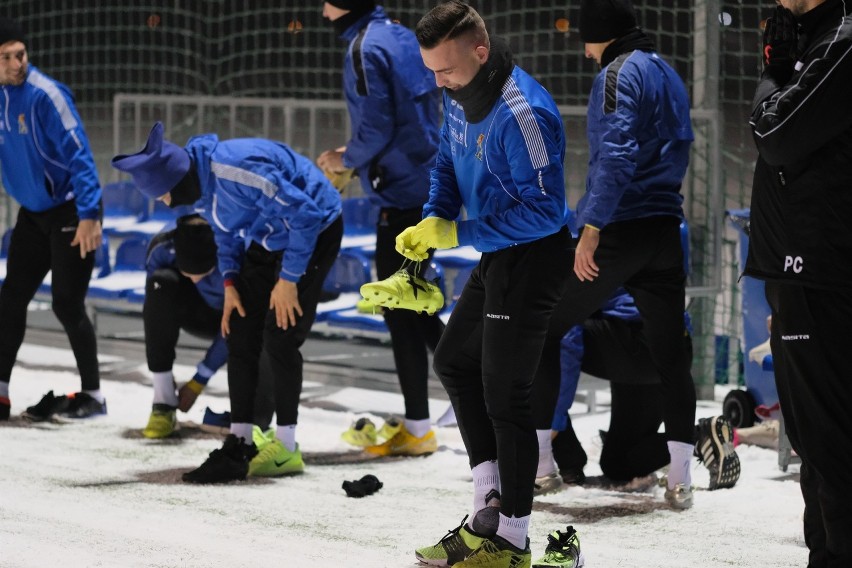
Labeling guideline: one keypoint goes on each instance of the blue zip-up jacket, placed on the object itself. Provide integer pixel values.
(639, 136)
(44, 152)
(256, 190)
(505, 170)
(393, 108)
(161, 254)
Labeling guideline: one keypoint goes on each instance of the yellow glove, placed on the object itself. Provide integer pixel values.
(406, 248)
(188, 393)
(339, 179)
(434, 232)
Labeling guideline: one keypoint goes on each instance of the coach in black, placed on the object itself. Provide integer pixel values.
(801, 244)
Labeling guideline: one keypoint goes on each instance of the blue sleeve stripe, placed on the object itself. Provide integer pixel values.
(529, 125)
(39, 81)
(244, 177)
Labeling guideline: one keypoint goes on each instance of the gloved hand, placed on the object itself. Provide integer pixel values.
(339, 179)
(188, 393)
(780, 43)
(436, 233)
(408, 249)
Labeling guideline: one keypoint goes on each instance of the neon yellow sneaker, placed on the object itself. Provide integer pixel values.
(402, 290)
(260, 438)
(362, 433)
(452, 548)
(497, 552)
(162, 423)
(389, 429)
(404, 444)
(273, 459)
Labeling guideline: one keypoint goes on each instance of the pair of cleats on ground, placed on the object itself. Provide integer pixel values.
(477, 544)
(265, 456)
(74, 405)
(397, 440)
(406, 291)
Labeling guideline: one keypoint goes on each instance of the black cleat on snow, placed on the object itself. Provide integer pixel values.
(48, 406)
(367, 485)
(228, 463)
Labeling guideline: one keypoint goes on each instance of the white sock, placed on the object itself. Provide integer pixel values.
(242, 430)
(514, 530)
(4, 389)
(418, 428)
(96, 394)
(546, 465)
(679, 470)
(485, 478)
(287, 436)
(164, 388)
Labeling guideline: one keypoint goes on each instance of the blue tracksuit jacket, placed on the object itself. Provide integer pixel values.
(639, 136)
(393, 107)
(506, 171)
(256, 190)
(44, 152)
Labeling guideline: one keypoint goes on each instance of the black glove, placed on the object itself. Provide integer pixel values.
(780, 39)
(367, 485)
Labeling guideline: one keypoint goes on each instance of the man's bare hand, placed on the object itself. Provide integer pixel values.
(232, 302)
(584, 257)
(89, 236)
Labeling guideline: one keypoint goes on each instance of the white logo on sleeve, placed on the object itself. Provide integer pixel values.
(794, 262)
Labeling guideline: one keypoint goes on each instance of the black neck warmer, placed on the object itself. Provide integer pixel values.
(345, 21)
(478, 97)
(188, 189)
(632, 40)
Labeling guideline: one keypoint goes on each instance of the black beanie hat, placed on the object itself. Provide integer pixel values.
(10, 30)
(195, 249)
(357, 5)
(603, 20)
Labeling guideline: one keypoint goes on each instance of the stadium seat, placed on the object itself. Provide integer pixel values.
(349, 272)
(128, 274)
(124, 206)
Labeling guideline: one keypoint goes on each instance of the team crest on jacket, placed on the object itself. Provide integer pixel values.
(479, 147)
(22, 124)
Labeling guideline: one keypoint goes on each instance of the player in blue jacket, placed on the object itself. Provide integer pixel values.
(48, 169)
(393, 108)
(500, 157)
(639, 134)
(277, 226)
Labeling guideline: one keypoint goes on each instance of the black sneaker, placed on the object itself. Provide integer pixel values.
(562, 551)
(5, 407)
(228, 463)
(715, 448)
(47, 407)
(82, 405)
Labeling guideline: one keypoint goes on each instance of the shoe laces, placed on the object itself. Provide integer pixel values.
(408, 269)
(453, 532)
(560, 543)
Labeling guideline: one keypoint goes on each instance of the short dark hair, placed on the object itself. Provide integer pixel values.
(448, 21)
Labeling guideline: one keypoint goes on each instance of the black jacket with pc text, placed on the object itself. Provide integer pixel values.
(801, 206)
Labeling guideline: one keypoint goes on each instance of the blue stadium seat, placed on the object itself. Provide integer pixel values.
(128, 275)
(347, 274)
(124, 205)
(359, 216)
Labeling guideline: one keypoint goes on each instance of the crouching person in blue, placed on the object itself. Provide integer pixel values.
(277, 226)
(184, 290)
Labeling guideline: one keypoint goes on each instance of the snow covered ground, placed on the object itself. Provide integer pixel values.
(95, 493)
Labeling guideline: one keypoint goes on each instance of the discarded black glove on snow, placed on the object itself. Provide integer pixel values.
(367, 485)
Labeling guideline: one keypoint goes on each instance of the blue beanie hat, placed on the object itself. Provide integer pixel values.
(158, 167)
